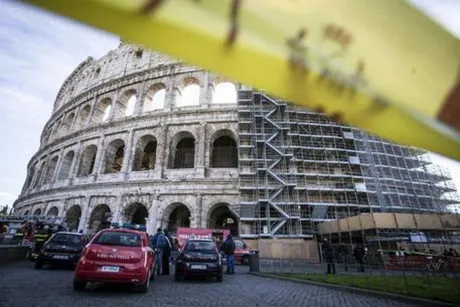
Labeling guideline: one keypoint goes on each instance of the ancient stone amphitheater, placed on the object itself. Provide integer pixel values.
(136, 137)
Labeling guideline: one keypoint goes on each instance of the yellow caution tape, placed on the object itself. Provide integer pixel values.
(379, 65)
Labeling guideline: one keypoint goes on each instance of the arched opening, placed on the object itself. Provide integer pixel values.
(100, 218)
(136, 213)
(47, 135)
(27, 212)
(87, 161)
(190, 93)
(224, 92)
(155, 98)
(67, 123)
(224, 152)
(66, 165)
(183, 151)
(114, 156)
(221, 217)
(126, 104)
(102, 112)
(56, 128)
(72, 217)
(179, 217)
(54, 211)
(38, 212)
(49, 177)
(83, 116)
(145, 153)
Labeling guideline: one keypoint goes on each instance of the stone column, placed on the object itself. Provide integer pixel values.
(199, 211)
(85, 213)
(114, 106)
(200, 150)
(90, 118)
(75, 119)
(160, 164)
(117, 215)
(54, 177)
(170, 95)
(73, 168)
(140, 101)
(152, 224)
(205, 91)
(129, 157)
(98, 164)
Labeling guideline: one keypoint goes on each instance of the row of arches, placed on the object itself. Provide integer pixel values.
(176, 215)
(223, 154)
(154, 99)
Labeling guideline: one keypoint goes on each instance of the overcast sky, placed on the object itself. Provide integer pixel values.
(39, 50)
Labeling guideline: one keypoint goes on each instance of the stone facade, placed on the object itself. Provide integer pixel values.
(107, 157)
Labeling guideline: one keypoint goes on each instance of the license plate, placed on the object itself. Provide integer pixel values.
(198, 267)
(60, 257)
(113, 269)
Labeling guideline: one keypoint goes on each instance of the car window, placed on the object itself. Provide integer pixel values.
(119, 239)
(66, 239)
(200, 246)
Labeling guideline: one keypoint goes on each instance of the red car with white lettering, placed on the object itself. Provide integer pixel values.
(118, 256)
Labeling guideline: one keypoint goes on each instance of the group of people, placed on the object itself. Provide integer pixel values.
(35, 234)
(330, 255)
(165, 248)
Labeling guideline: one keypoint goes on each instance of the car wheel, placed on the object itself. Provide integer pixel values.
(143, 288)
(220, 277)
(79, 285)
(152, 274)
(245, 260)
(38, 264)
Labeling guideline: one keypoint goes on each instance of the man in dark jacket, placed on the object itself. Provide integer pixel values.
(228, 248)
(329, 256)
(157, 241)
(358, 254)
(167, 248)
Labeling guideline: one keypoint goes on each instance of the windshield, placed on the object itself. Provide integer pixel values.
(66, 239)
(200, 246)
(239, 244)
(119, 239)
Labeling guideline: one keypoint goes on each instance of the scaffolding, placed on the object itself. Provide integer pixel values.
(298, 169)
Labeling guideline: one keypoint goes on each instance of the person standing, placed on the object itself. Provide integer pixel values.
(228, 248)
(166, 252)
(157, 240)
(358, 254)
(329, 256)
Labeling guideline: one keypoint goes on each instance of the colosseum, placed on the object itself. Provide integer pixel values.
(137, 137)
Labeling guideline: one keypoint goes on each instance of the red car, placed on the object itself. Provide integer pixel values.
(119, 256)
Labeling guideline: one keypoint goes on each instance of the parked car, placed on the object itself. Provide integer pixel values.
(62, 248)
(118, 256)
(242, 252)
(199, 257)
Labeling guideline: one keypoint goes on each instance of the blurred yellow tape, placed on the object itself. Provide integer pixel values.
(379, 65)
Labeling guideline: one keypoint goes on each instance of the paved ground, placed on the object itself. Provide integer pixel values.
(21, 285)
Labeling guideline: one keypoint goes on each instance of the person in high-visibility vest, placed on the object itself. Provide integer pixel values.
(18, 236)
(40, 238)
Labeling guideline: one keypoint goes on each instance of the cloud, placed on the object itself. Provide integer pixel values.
(6, 198)
(39, 50)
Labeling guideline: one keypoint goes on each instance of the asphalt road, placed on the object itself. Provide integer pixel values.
(21, 285)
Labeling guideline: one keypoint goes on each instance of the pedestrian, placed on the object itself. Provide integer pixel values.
(344, 256)
(329, 256)
(166, 252)
(228, 248)
(157, 240)
(358, 254)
